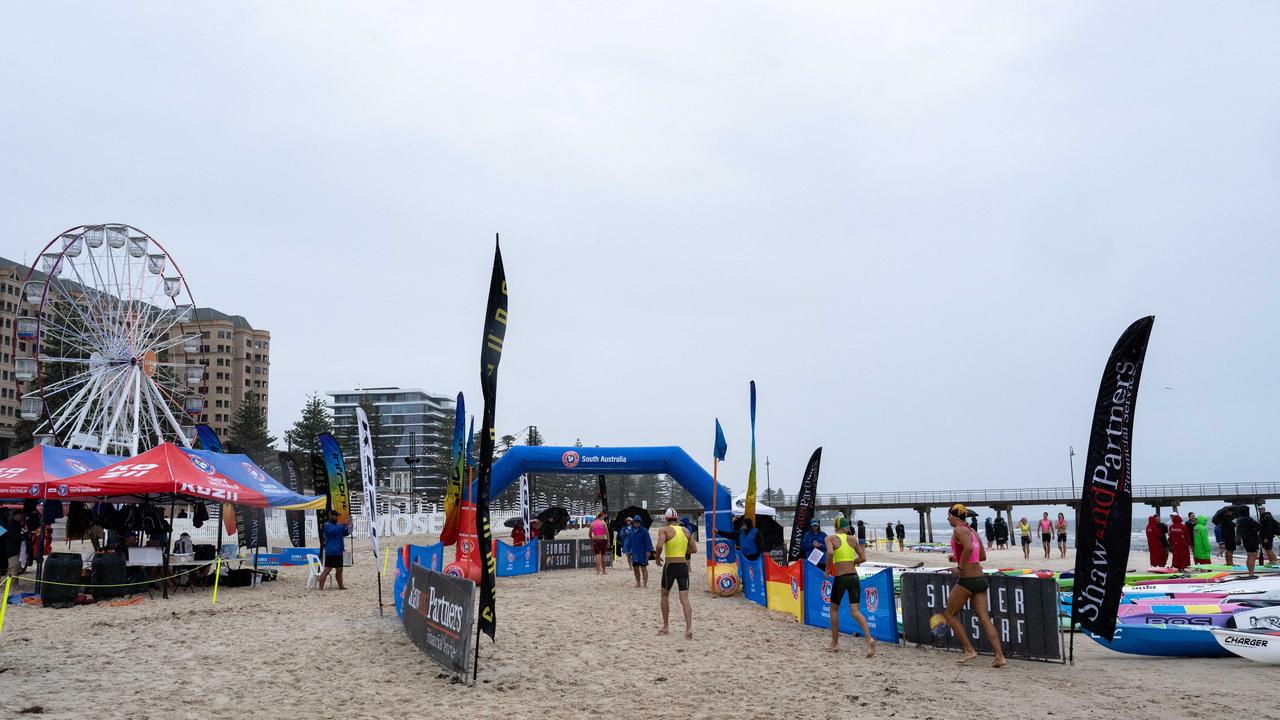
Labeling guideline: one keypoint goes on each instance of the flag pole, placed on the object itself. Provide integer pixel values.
(711, 541)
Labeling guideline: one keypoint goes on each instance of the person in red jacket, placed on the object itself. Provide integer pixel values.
(1179, 536)
(1156, 542)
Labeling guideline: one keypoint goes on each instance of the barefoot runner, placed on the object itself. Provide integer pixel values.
(845, 556)
(677, 544)
(968, 553)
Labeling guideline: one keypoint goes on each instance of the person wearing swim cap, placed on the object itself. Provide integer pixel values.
(844, 557)
(678, 545)
(968, 554)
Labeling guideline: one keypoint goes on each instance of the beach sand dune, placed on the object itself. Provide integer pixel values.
(570, 644)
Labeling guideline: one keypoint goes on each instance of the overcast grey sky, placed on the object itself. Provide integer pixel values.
(919, 227)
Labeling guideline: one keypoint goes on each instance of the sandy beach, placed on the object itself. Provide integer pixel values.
(570, 644)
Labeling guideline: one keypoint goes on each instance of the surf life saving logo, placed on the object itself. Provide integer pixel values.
(34, 490)
(570, 458)
(795, 589)
(872, 597)
(721, 550)
(202, 465)
(253, 471)
(726, 582)
(826, 591)
(62, 489)
(76, 465)
(466, 546)
(453, 570)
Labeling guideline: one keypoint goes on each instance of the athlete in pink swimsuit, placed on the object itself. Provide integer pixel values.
(1046, 533)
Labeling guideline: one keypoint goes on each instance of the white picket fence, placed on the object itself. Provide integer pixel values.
(394, 520)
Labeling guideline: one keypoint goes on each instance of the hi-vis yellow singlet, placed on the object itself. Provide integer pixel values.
(844, 552)
(678, 545)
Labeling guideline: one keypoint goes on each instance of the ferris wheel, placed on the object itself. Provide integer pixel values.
(104, 343)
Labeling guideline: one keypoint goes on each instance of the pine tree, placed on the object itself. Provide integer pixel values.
(302, 436)
(249, 434)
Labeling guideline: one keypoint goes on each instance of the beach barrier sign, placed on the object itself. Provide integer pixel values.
(1024, 609)
(558, 554)
(587, 555)
(876, 603)
(439, 614)
(512, 561)
(428, 556)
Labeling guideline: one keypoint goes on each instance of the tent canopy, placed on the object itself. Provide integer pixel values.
(36, 473)
(199, 474)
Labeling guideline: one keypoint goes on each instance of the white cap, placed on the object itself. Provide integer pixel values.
(671, 514)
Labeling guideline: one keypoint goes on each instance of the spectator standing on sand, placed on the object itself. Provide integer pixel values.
(888, 536)
(815, 539)
(1225, 520)
(1250, 533)
(901, 532)
(599, 541)
(1269, 530)
(862, 534)
(1061, 527)
(334, 547)
(639, 549)
(1201, 548)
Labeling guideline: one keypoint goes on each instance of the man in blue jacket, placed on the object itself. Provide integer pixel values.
(747, 538)
(334, 547)
(815, 539)
(639, 546)
(624, 533)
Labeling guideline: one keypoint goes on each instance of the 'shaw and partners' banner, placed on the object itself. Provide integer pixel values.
(1106, 500)
(1024, 610)
(587, 555)
(296, 520)
(439, 612)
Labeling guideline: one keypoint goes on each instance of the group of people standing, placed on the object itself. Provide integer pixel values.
(1181, 544)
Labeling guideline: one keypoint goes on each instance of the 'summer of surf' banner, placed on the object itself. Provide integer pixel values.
(1024, 609)
(336, 472)
(368, 477)
(784, 587)
(877, 604)
(513, 561)
(751, 474)
(453, 493)
(430, 557)
(1106, 500)
(805, 500)
(495, 330)
(295, 520)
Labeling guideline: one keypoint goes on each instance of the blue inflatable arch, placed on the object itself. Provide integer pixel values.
(670, 460)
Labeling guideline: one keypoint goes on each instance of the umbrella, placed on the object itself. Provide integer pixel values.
(770, 531)
(551, 521)
(514, 522)
(620, 520)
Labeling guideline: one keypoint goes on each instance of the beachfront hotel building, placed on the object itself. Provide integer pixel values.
(237, 360)
(416, 420)
(236, 357)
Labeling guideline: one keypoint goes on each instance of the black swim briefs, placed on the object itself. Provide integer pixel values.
(675, 574)
(846, 584)
(974, 585)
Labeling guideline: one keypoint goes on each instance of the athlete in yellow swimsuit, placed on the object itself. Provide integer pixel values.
(845, 557)
(676, 543)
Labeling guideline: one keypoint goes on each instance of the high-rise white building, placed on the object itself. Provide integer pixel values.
(419, 423)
